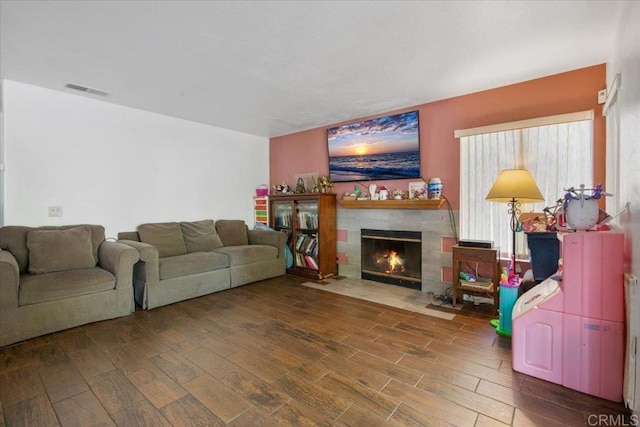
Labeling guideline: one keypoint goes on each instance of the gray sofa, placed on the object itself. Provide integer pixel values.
(55, 278)
(181, 260)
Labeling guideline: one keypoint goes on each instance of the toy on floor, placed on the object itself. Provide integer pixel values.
(468, 277)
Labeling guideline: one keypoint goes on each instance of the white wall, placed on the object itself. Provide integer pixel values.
(120, 167)
(625, 60)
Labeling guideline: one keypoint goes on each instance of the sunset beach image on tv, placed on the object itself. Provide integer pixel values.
(383, 148)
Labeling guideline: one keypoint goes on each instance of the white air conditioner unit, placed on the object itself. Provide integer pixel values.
(631, 390)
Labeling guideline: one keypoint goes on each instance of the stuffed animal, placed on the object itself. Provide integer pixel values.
(283, 188)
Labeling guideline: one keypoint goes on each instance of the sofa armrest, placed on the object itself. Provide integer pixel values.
(149, 255)
(118, 259)
(9, 280)
(271, 238)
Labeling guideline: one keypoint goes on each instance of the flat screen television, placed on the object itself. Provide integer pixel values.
(383, 148)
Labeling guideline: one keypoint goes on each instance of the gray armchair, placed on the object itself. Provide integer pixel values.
(55, 278)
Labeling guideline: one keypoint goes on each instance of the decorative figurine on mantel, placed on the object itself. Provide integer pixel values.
(372, 191)
(398, 194)
(325, 184)
(384, 193)
(357, 192)
(283, 188)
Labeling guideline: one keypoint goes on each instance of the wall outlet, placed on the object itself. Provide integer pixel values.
(55, 211)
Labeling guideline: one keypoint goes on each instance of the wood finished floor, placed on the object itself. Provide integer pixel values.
(278, 353)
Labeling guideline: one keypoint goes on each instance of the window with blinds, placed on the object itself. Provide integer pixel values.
(556, 150)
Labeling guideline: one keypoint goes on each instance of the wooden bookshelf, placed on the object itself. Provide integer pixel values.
(392, 204)
(309, 220)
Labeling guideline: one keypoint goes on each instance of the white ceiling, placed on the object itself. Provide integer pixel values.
(271, 68)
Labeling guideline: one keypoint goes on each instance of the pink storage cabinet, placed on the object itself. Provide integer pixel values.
(572, 332)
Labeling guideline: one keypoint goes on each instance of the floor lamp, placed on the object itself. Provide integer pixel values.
(514, 187)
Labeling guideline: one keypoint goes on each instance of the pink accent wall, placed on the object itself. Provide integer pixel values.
(447, 274)
(558, 94)
(446, 243)
(342, 258)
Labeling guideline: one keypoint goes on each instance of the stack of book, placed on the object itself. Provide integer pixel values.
(307, 220)
(307, 244)
(306, 261)
(283, 219)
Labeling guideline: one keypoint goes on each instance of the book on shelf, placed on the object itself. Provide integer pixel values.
(311, 262)
(307, 220)
(307, 244)
(283, 219)
(306, 261)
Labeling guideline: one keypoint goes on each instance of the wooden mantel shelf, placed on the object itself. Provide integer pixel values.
(392, 204)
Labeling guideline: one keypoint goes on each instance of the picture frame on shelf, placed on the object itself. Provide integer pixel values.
(418, 190)
(309, 179)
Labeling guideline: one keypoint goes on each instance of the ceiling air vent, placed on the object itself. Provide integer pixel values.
(86, 89)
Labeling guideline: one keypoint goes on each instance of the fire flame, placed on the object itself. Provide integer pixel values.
(392, 263)
(395, 262)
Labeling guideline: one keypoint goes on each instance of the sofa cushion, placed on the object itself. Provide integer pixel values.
(129, 235)
(97, 237)
(248, 254)
(97, 234)
(194, 263)
(166, 237)
(60, 250)
(233, 232)
(14, 239)
(200, 236)
(63, 284)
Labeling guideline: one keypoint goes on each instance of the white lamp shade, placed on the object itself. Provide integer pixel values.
(515, 184)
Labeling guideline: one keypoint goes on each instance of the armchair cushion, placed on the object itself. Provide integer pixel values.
(60, 250)
(233, 232)
(200, 236)
(166, 237)
(64, 284)
(14, 239)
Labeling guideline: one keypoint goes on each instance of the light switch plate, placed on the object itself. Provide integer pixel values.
(55, 211)
(602, 96)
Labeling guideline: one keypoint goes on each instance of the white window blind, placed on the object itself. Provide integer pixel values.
(558, 156)
(611, 111)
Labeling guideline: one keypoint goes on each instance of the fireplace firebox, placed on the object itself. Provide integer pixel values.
(393, 257)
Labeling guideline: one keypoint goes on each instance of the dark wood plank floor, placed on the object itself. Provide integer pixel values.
(279, 353)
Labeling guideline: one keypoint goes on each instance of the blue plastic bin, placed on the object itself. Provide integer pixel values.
(545, 253)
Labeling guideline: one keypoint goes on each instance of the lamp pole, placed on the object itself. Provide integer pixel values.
(514, 211)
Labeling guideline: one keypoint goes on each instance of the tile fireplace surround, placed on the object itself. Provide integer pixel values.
(434, 225)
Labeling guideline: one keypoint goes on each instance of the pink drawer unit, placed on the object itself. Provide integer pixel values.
(537, 344)
(572, 332)
(593, 355)
(580, 353)
(593, 278)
